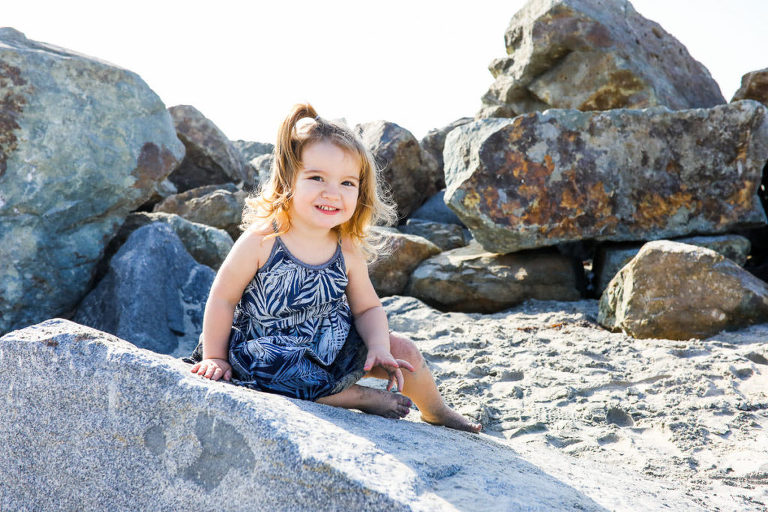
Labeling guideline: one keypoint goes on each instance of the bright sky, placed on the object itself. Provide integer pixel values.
(418, 63)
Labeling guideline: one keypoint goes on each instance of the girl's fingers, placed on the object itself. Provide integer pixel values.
(400, 380)
(402, 363)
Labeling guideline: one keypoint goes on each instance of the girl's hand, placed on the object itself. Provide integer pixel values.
(213, 369)
(383, 358)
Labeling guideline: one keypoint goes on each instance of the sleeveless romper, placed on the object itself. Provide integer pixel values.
(292, 331)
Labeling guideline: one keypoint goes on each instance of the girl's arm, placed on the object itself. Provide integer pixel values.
(237, 270)
(370, 317)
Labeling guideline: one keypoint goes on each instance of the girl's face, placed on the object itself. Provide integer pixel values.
(326, 189)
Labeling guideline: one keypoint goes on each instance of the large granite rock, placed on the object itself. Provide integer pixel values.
(593, 55)
(211, 157)
(678, 291)
(390, 274)
(250, 149)
(153, 294)
(409, 171)
(754, 86)
(220, 206)
(611, 258)
(564, 175)
(471, 279)
(113, 427)
(82, 143)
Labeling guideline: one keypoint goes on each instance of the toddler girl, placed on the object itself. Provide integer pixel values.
(292, 309)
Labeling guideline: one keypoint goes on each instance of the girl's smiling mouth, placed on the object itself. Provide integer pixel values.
(328, 210)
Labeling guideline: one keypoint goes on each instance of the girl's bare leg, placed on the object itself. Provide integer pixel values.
(420, 387)
(372, 401)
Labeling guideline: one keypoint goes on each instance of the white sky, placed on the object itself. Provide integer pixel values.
(419, 63)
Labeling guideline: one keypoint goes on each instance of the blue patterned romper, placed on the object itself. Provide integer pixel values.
(292, 332)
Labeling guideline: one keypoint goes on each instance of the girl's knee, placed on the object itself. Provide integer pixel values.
(403, 348)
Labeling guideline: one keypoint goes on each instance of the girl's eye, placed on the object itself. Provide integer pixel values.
(348, 183)
(316, 178)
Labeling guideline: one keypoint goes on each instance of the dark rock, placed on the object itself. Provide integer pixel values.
(153, 294)
(211, 157)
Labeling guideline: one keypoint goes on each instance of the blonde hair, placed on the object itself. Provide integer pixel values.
(270, 205)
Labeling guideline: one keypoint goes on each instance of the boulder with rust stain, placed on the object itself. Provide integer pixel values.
(409, 171)
(754, 86)
(622, 175)
(82, 144)
(593, 55)
(679, 291)
(470, 279)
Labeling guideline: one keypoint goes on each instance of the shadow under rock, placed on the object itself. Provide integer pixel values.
(468, 471)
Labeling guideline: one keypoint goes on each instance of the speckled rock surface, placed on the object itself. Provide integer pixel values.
(93, 423)
(434, 142)
(153, 294)
(611, 258)
(211, 157)
(679, 291)
(565, 175)
(409, 171)
(82, 143)
(220, 206)
(593, 55)
(390, 274)
(474, 280)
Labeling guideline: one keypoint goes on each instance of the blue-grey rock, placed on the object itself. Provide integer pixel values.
(90, 422)
(622, 175)
(434, 142)
(82, 144)
(251, 150)
(593, 55)
(220, 206)
(389, 274)
(153, 295)
(435, 210)
(445, 236)
(206, 244)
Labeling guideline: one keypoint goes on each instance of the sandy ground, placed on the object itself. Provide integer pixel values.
(683, 423)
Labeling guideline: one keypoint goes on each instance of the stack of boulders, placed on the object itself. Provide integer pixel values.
(600, 133)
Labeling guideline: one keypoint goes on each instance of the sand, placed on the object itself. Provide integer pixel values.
(634, 424)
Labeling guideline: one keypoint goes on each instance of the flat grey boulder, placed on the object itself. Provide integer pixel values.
(470, 279)
(153, 294)
(679, 291)
(593, 55)
(445, 236)
(82, 144)
(611, 258)
(564, 175)
(93, 423)
(211, 158)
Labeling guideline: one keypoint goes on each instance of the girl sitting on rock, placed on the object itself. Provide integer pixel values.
(292, 309)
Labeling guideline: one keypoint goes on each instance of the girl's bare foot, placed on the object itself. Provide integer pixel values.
(372, 401)
(451, 419)
(384, 403)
